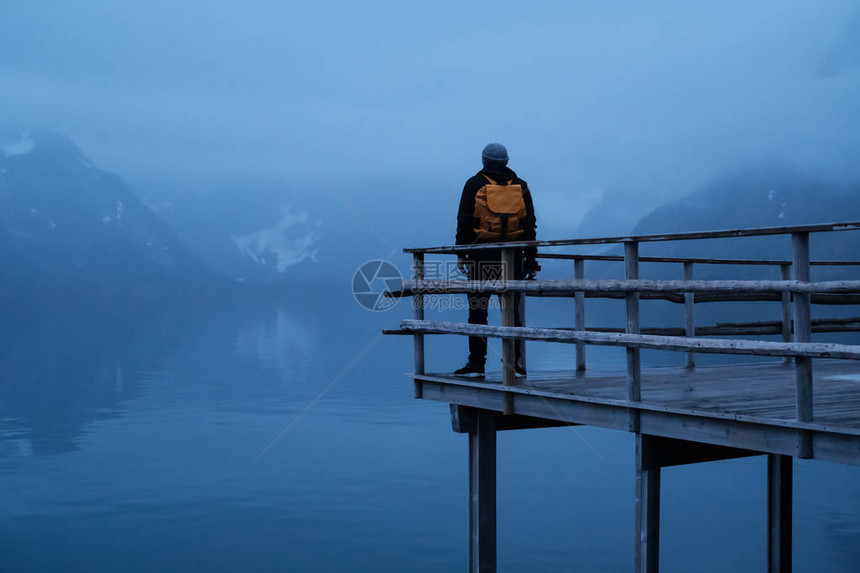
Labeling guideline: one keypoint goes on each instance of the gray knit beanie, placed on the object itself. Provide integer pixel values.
(494, 154)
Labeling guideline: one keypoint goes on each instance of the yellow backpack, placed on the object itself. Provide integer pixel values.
(499, 211)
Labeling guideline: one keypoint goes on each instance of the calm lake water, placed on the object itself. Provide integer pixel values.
(282, 436)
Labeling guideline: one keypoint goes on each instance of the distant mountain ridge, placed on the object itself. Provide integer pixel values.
(745, 199)
(68, 227)
(755, 200)
(751, 200)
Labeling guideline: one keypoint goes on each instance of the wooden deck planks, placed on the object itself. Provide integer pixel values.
(762, 390)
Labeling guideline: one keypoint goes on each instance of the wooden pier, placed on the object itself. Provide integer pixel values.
(800, 400)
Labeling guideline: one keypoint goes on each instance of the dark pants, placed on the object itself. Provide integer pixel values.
(488, 267)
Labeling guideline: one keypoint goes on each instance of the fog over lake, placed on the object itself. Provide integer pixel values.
(187, 381)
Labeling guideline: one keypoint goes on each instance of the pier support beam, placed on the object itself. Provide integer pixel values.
(464, 420)
(652, 454)
(646, 550)
(482, 493)
(779, 490)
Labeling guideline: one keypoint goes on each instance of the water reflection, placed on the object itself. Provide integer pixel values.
(65, 366)
(128, 437)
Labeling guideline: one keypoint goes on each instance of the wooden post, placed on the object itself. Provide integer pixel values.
(482, 494)
(521, 320)
(779, 503)
(418, 313)
(647, 542)
(802, 333)
(508, 318)
(579, 313)
(689, 303)
(634, 370)
(785, 271)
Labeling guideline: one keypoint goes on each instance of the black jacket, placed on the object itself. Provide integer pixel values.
(466, 214)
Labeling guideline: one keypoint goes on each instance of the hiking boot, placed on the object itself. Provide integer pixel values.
(471, 370)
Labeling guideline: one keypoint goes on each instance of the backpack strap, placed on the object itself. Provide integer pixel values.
(487, 177)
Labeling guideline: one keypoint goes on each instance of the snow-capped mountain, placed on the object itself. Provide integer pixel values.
(291, 240)
(67, 226)
(252, 234)
(297, 233)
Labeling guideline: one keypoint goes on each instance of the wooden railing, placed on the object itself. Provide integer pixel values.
(795, 291)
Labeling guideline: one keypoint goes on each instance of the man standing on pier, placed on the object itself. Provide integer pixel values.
(496, 207)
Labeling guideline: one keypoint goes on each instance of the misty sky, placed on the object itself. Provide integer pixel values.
(376, 95)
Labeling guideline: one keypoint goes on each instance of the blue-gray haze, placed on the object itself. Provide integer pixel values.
(382, 96)
(185, 193)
